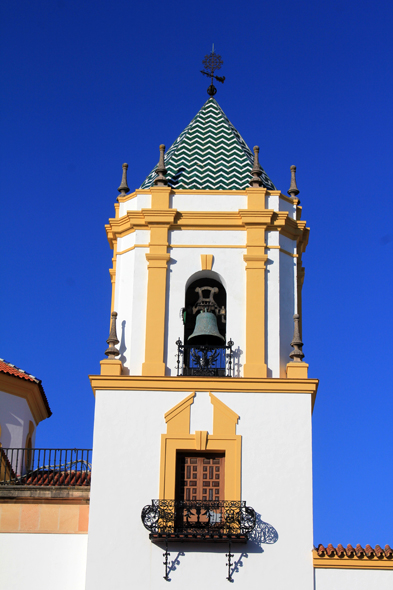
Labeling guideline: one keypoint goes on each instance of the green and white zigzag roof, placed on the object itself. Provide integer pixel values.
(209, 154)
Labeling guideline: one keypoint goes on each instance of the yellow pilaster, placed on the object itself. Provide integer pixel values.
(256, 218)
(159, 221)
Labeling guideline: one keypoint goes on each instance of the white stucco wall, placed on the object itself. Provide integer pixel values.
(42, 562)
(276, 482)
(15, 416)
(343, 579)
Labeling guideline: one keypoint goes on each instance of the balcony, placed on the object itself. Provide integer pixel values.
(45, 467)
(199, 520)
(204, 361)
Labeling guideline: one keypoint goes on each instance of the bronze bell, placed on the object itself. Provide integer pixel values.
(206, 329)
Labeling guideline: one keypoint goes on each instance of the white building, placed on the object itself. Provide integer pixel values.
(209, 416)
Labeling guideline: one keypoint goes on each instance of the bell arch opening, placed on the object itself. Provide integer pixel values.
(205, 294)
(205, 351)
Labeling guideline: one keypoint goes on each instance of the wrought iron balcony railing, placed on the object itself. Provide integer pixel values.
(215, 520)
(45, 467)
(204, 361)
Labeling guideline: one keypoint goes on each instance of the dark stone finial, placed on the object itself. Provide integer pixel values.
(112, 352)
(293, 190)
(297, 344)
(256, 170)
(123, 188)
(161, 170)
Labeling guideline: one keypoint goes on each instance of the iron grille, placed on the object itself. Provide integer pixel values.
(198, 519)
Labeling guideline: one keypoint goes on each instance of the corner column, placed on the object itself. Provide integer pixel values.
(159, 221)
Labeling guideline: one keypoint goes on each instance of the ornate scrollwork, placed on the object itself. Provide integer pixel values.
(198, 517)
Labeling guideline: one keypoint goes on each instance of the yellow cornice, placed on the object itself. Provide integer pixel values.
(27, 390)
(208, 220)
(359, 563)
(214, 384)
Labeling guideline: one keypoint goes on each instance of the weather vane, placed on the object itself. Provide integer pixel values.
(212, 63)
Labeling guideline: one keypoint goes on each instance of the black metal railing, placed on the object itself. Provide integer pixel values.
(45, 467)
(204, 361)
(198, 519)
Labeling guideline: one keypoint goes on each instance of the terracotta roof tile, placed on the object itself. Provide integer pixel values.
(388, 551)
(56, 478)
(359, 550)
(350, 550)
(357, 553)
(340, 550)
(10, 369)
(369, 551)
(330, 550)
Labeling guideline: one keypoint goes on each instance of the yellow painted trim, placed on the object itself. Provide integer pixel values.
(210, 220)
(111, 367)
(358, 563)
(216, 384)
(283, 251)
(206, 261)
(159, 221)
(223, 439)
(287, 199)
(28, 390)
(297, 370)
(205, 246)
(133, 248)
(112, 273)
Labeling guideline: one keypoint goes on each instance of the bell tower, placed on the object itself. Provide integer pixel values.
(202, 436)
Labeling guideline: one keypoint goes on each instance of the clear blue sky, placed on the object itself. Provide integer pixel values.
(89, 85)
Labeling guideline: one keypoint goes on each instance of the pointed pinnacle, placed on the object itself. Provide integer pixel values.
(123, 188)
(161, 170)
(256, 170)
(297, 344)
(112, 352)
(293, 190)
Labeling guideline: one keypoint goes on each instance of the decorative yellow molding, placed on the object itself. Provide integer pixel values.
(216, 384)
(206, 261)
(28, 390)
(132, 248)
(211, 220)
(256, 198)
(223, 439)
(178, 418)
(358, 563)
(160, 197)
(234, 246)
(297, 370)
(282, 250)
(111, 367)
(159, 221)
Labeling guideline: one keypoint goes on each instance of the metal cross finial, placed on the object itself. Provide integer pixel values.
(212, 63)
(123, 188)
(297, 344)
(112, 352)
(293, 190)
(256, 170)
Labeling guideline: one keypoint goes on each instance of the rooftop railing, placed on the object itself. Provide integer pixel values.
(45, 467)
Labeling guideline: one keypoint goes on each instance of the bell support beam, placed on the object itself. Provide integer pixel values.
(256, 222)
(159, 221)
